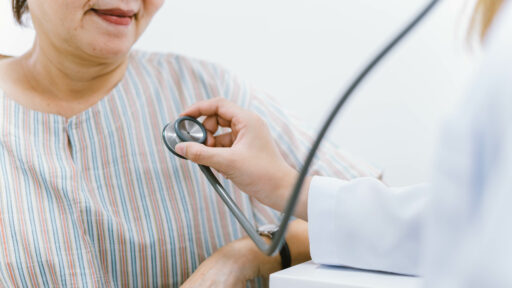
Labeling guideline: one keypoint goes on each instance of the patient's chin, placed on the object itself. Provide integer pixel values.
(110, 49)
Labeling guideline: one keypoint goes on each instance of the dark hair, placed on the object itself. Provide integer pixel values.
(19, 8)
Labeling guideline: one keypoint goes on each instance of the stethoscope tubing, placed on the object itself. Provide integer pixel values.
(233, 208)
(278, 238)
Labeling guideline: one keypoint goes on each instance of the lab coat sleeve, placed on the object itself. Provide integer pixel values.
(364, 224)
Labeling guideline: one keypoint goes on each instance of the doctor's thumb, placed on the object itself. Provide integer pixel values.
(204, 155)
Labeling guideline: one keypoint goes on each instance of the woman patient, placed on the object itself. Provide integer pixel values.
(89, 196)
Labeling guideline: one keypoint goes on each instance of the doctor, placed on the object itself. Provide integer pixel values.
(456, 232)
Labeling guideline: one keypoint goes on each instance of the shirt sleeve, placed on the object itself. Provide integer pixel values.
(364, 224)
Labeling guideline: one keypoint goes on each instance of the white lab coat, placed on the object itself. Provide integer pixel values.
(455, 233)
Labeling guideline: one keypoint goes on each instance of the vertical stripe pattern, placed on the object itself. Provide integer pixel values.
(97, 201)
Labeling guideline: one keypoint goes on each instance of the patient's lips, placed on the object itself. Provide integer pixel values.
(116, 16)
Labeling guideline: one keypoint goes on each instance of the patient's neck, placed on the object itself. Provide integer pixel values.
(69, 82)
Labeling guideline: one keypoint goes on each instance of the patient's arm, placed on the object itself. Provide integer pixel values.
(239, 261)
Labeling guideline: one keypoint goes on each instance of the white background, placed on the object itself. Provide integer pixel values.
(304, 52)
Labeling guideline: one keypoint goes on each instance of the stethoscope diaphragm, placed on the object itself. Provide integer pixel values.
(184, 129)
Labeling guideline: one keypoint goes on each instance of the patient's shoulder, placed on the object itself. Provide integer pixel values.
(179, 65)
(10, 73)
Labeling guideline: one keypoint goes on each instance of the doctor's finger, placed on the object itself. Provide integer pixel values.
(217, 158)
(210, 139)
(215, 107)
(211, 124)
(224, 140)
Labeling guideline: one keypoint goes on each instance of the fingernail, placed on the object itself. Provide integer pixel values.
(181, 149)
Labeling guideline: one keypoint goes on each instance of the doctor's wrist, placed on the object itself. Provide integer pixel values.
(267, 264)
(254, 262)
(298, 249)
(279, 189)
(285, 191)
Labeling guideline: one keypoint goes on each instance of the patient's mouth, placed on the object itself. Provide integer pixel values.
(116, 16)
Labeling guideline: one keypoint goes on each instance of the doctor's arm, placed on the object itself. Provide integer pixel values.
(359, 223)
(365, 224)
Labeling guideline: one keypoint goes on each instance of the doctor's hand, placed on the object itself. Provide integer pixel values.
(247, 155)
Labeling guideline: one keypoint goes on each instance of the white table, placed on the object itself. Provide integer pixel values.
(310, 274)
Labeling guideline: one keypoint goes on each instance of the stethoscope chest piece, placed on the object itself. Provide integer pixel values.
(185, 129)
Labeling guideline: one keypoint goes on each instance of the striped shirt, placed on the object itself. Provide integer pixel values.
(96, 200)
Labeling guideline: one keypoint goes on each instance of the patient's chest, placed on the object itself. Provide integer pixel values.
(98, 201)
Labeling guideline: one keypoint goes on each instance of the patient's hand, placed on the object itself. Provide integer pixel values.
(232, 265)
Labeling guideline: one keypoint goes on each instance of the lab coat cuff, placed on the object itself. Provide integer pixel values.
(322, 224)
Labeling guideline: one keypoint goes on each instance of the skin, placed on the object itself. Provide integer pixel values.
(222, 269)
(248, 142)
(76, 60)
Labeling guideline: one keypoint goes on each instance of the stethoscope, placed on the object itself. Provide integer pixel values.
(187, 129)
